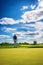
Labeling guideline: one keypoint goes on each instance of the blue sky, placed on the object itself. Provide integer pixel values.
(21, 17)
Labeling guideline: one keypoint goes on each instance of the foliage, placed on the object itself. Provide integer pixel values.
(21, 45)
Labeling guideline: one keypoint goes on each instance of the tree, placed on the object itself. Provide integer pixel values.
(35, 42)
(15, 40)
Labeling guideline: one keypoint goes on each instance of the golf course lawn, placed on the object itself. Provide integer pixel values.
(21, 56)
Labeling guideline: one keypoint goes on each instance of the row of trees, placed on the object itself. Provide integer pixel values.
(25, 43)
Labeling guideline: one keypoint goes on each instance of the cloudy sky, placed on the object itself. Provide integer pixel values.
(23, 18)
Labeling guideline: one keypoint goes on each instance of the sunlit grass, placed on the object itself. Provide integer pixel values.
(21, 56)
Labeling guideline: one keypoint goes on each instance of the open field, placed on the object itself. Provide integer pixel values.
(21, 56)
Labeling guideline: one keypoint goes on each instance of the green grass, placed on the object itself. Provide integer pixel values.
(31, 46)
(22, 46)
(21, 56)
(7, 46)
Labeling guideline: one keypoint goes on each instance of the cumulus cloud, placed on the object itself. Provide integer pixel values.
(32, 16)
(8, 21)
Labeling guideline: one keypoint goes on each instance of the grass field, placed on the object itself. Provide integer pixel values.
(21, 56)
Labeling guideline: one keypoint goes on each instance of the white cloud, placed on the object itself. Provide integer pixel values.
(37, 34)
(8, 21)
(24, 8)
(4, 36)
(33, 6)
(39, 37)
(2, 22)
(19, 33)
(9, 29)
(39, 25)
(40, 4)
(25, 34)
(22, 20)
(32, 16)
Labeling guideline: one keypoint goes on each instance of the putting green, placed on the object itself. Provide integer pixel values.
(21, 56)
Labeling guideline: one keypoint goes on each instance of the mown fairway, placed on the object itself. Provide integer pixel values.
(21, 56)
